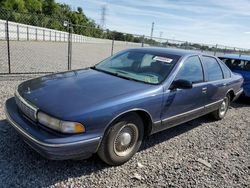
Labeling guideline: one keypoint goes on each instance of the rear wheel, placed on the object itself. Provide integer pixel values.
(221, 112)
(122, 140)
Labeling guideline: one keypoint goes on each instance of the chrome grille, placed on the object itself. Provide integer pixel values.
(25, 107)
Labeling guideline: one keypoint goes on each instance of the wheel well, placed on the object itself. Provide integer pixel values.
(231, 94)
(147, 121)
(145, 117)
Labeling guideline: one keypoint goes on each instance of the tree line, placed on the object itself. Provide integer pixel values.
(50, 14)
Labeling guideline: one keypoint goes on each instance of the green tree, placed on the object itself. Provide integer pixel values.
(34, 6)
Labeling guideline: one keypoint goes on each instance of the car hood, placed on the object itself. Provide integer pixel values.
(65, 94)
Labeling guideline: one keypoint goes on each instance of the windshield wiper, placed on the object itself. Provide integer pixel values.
(121, 72)
(101, 70)
(119, 75)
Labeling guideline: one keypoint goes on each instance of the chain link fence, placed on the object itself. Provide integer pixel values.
(36, 43)
(29, 45)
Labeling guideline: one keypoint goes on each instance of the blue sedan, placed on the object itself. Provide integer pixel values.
(240, 64)
(108, 109)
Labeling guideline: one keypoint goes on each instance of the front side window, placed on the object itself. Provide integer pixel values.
(213, 68)
(191, 70)
(140, 66)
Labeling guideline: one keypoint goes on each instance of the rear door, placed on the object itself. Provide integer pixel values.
(181, 105)
(216, 85)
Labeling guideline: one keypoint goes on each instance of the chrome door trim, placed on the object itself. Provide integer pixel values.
(213, 103)
(192, 111)
(183, 114)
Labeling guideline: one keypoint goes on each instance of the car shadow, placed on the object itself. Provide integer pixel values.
(18, 158)
(241, 102)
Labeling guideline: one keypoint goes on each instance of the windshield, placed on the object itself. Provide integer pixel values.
(237, 64)
(139, 66)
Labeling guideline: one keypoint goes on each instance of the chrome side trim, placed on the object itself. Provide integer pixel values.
(213, 103)
(35, 109)
(239, 92)
(183, 114)
(25, 134)
(192, 111)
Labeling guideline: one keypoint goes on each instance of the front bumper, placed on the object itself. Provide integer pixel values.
(54, 146)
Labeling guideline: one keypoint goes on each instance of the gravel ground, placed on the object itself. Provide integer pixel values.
(200, 153)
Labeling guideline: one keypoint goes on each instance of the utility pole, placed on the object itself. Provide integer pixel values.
(103, 16)
(152, 30)
(160, 35)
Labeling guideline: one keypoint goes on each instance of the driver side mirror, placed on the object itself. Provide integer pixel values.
(181, 84)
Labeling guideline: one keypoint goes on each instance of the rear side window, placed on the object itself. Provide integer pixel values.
(226, 71)
(191, 70)
(213, 68)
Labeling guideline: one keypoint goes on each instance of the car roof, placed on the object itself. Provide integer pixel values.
(237, 56)
(172, 51)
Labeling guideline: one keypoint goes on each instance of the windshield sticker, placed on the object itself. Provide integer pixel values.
(163, 59)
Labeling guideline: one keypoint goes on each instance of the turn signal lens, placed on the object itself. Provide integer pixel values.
(59, 125)
(72, 127)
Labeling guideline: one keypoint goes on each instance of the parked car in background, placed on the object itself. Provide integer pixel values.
(239, 64)
(111, 107)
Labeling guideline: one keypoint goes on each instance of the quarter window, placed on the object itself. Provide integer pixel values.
(226, 71)
(191, 70)
(213, 68)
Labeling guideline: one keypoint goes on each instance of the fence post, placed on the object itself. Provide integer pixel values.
(112, 47)
(36, 33)
(186, 45)
(50, 35)
(215, 50)
(69, 46)
(27, 33)
(17, 31)
(43, 35)
(142, 42)
(166, 44)
(8, 43)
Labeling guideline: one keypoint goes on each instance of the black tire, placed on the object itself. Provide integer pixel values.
(116, 138)
(220, 113)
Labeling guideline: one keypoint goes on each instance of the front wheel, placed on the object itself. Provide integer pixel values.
(221, 112)
(122, 140)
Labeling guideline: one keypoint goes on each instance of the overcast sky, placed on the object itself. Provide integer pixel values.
(224, 22)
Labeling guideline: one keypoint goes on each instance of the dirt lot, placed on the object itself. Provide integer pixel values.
(37, 56)
(201, 153)
(33, 56)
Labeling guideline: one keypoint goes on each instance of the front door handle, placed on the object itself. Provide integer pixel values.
(204, 90)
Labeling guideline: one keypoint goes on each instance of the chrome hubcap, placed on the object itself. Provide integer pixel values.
(126, 140)
(223, 107)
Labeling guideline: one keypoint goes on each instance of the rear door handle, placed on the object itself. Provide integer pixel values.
(204, 90)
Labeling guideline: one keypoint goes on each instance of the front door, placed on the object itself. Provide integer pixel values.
(181, 105)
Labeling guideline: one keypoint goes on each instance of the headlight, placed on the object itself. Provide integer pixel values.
(59, 125)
